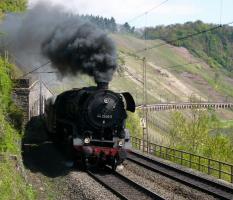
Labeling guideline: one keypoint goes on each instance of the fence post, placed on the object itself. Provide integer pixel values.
(220, 170)
(141, 144)
(199, 163)
(231, 174)
(174, 154)
(209, 166)
(155, 149)
(181, 158)
(190, 160)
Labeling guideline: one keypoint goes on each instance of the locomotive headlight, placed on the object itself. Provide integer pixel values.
(120, 143)
(87, 140)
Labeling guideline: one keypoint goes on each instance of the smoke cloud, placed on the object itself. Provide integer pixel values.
(72, 45)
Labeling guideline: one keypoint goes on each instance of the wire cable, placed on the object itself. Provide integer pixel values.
(148, 11)
(30, 72)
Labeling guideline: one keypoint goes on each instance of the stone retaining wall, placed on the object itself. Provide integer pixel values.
(26, 95)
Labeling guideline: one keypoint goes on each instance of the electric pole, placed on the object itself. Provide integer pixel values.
(145, 111)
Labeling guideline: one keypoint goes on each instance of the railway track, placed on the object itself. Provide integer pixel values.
(121, 186)
(214, 188)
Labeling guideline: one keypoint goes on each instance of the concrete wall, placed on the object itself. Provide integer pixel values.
(26, 95)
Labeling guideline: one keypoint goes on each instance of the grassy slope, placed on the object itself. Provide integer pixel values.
(168, 80)
(167, 77)
(12, 183)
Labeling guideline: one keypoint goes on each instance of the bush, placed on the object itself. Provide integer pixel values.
(15, 115)
(133, 124)
(13, 5)
(195, 136)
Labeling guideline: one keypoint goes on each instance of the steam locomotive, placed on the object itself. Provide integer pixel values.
(90, 124)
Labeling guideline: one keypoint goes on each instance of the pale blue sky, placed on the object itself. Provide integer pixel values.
(206, 10)
(173, 11)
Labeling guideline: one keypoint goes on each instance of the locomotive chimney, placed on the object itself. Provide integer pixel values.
(102, 85)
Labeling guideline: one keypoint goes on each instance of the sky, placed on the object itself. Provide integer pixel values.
(172, 11)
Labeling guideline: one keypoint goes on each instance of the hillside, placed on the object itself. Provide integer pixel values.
(215, 47)
(173, 73)
(172, 76)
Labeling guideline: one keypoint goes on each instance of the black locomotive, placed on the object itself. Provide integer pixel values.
(90, 123)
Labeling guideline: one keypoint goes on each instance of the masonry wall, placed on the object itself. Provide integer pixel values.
(21, 96)
(26, 95)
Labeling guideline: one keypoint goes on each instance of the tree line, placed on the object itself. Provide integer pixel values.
(109, 24)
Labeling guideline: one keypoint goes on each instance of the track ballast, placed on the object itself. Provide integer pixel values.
(213, 188)
(121, 186)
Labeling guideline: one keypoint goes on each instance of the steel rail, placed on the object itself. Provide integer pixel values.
(121, 186)
(212, 187)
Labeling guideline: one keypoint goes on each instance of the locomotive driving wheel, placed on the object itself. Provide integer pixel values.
(114, 164)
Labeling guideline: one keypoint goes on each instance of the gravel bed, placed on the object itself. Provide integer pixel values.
(76, 185)
(165, 187)
(82, 186)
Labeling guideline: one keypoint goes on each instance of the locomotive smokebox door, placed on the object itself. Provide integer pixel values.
(130, 103)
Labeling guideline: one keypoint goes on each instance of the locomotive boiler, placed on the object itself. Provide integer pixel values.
(90, 124)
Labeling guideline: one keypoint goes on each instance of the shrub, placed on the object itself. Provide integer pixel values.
(133, 124)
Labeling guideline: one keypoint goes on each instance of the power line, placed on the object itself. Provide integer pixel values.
(148, 11)
(185, 37)
(46, 72)
(34, 70)
(43, 65)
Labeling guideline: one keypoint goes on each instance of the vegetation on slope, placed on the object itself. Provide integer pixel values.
(12, 183)
(133, 124)
(12, 6)
(215, 47)
(195, 135)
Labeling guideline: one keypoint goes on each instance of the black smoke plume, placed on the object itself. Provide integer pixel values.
(71, 44)
(77, 46)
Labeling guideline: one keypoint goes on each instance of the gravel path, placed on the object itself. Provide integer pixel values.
(161, 185)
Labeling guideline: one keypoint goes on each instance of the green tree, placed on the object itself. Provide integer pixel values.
(178, 126)
(190, 134)
(196, 135)
(13, 5)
